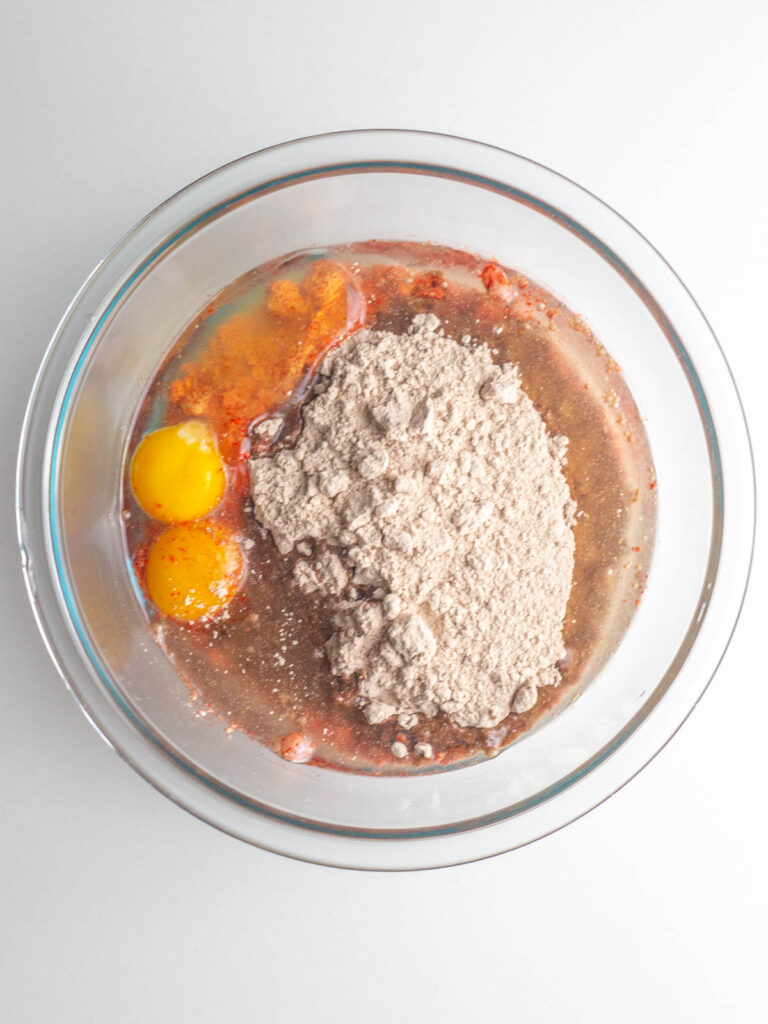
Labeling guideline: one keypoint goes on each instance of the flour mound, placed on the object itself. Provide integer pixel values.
(430, 503)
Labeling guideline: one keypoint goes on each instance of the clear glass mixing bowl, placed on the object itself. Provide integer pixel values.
(340, 188)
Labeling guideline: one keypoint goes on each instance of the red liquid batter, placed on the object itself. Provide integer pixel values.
(259, 665)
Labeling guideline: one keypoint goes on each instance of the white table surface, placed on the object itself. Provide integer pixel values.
(116, 906)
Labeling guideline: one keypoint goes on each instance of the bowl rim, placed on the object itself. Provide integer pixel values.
(75, 327)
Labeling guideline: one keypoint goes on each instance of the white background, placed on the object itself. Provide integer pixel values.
(116, 906)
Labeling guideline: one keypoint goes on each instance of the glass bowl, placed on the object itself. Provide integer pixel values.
(348, 187)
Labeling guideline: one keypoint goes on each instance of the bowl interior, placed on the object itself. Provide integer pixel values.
(137, 324)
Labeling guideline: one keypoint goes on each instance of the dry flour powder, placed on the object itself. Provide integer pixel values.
(427, 499)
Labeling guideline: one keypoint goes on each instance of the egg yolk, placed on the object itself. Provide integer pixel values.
(177, 474)
(193, 570)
